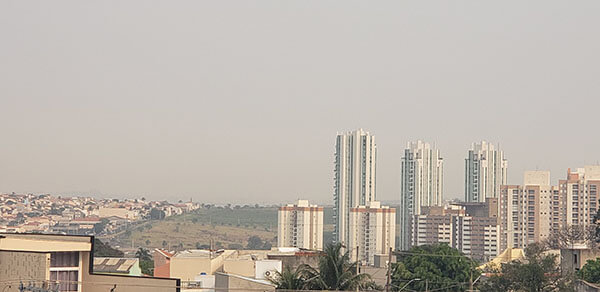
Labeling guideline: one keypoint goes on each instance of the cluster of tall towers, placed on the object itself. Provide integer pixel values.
(422, 179)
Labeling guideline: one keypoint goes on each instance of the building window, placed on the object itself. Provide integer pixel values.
(64, 269)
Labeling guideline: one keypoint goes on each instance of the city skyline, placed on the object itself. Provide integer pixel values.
(241, 105)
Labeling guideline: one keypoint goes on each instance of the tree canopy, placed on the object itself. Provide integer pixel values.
(436, 266)
(590, 272)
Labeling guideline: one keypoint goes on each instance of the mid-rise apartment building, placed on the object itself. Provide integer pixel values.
(372, 231)
(526, 211)
(532, 212)
(580, 194)
(471, 228)
(422, 182)
(485, 172)
(354, 177)
(300, 225)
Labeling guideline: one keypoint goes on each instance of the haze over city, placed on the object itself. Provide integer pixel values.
(241, 103)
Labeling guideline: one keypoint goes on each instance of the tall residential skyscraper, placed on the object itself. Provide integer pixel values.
(485, 172)
(354, 177)
(422, 185)
(300, 225)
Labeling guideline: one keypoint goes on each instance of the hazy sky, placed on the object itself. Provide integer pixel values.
(240, 101)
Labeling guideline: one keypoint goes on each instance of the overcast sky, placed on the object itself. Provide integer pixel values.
(240, 101)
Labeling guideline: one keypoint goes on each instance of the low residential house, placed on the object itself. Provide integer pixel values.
(575, 257)
(162, 263)
(118, 266)
(124, 213)
(64, 262)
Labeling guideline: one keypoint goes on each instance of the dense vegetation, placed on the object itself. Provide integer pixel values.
(435, 267)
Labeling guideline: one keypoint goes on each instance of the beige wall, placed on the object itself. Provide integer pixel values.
(239, 267)
(22, 266)
(186, 269)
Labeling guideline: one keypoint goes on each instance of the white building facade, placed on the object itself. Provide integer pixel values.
(421, 185)
(354, 177)
(300, 225)
(372, 231)
(485, 172)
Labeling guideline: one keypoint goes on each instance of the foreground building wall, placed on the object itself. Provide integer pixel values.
(16, 266)
(67, 260)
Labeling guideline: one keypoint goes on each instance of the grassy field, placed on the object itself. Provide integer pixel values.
(227, 227)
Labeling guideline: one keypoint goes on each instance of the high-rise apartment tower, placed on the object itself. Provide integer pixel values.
(354, 177)
(485, 172)
(421, 185)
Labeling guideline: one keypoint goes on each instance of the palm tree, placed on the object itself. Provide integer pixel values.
(143, 254)
(336, 272)
(290, 279)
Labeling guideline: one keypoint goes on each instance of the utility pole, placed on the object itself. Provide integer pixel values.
(389, 271)
(426, 286)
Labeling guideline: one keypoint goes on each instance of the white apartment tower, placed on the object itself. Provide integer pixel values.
(300, 225)
(354, 177)
(372, 230)
(485, 172)
(421, 185)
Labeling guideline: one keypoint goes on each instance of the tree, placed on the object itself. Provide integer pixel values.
(165, 244)
(105, 250)
(146, 262)
(254, 242)
(439, 267)
(289, 279)
(143, 254)
(568, 235)
(537, 272)
(590, 272)
(235, 246)
(336, 272)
